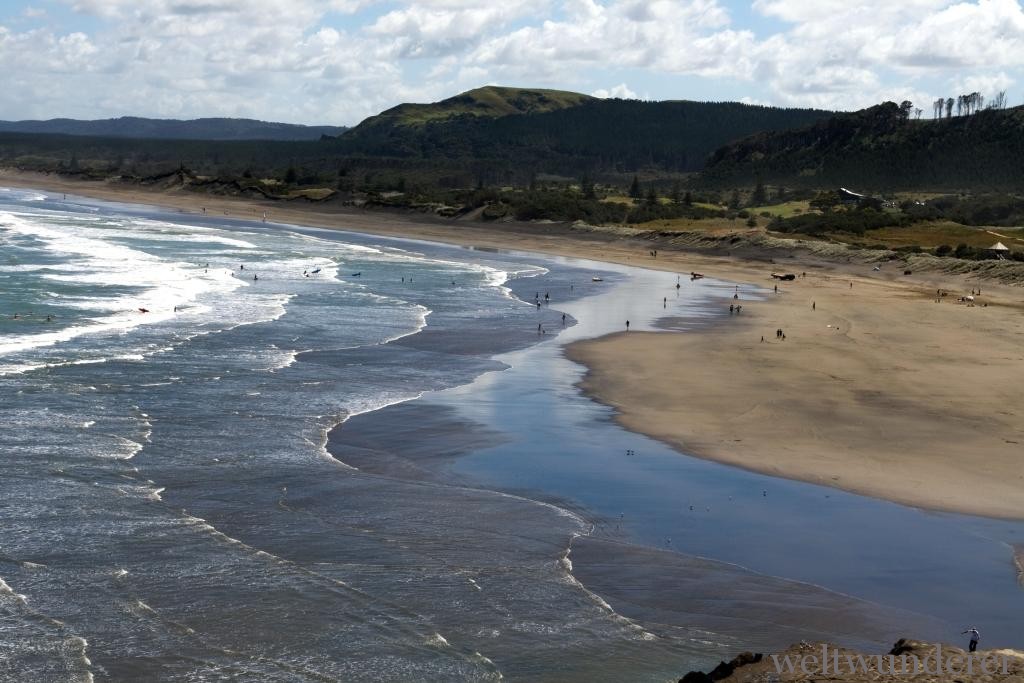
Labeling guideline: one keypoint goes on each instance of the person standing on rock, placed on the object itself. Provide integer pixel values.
(975, 637)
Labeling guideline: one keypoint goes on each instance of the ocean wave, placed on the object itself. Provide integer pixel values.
(160, 286)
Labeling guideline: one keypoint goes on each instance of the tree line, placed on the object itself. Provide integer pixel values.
(966, 104)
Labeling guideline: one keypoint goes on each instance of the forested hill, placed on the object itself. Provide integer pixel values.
(195, 129)
(879, 149)
(568, 135)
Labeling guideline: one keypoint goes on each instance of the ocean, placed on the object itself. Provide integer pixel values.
(242, 451)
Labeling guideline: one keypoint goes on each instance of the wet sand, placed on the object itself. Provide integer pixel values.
(877, 390)
(677, 598)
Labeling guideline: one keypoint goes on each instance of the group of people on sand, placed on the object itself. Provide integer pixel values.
(779, 334)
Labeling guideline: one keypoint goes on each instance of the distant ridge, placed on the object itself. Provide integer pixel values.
(175, 129)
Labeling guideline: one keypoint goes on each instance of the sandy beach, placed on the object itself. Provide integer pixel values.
(877, 388)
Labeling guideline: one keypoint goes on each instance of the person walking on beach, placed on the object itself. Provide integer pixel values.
(627, 326)
(814, 305)
(975, 637)
(563, 320)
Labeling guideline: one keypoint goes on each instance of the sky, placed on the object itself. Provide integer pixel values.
(339, 61)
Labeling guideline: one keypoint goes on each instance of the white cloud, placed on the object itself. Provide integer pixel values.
(439, 29)
(988, 85)
(620, 91)
(337, 61)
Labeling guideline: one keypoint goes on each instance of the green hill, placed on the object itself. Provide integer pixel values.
(879, 149)
(488, 102)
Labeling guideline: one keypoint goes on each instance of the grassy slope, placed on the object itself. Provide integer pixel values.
(932, 234)
(784, 210)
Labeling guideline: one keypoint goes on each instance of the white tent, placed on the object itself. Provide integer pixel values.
(999, 246)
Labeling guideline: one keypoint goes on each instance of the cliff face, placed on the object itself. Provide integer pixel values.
(909, 660)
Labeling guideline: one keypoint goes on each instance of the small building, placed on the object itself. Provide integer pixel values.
(849, 197)
(999, 249)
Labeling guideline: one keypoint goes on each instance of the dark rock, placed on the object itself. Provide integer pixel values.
(723, 670)
(905, 645)
(696, 677)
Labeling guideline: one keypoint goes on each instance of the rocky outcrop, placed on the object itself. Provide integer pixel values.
(724, 669)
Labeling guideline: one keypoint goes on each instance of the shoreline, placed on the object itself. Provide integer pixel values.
(877, 390)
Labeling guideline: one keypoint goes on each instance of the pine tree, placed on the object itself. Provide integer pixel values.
(587, 187)
(634, 189)
(676, 196)
(734, 200)
(760, 197)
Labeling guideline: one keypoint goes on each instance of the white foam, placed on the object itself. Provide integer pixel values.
(129, 449)
(7, 590)
(437, 640)
(95, 259)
